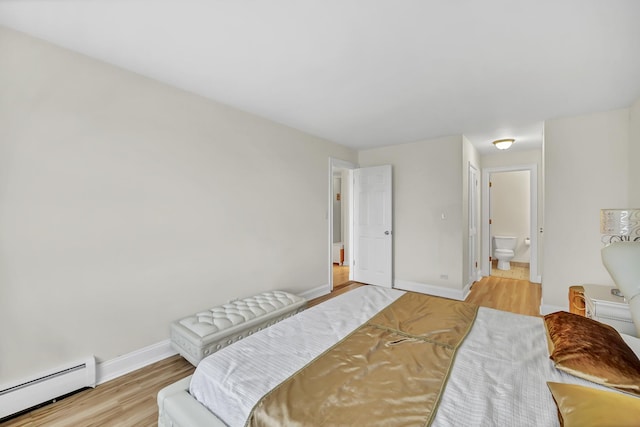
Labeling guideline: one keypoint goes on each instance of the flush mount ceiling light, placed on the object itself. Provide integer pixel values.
(503, 144)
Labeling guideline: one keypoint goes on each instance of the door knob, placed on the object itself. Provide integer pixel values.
(386, 233)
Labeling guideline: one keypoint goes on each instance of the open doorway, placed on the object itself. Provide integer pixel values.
(510, 222)
(340, 205)
(510, 225)
(340, 222)
(365, 239)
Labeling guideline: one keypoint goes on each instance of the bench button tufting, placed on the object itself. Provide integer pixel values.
(209, 327)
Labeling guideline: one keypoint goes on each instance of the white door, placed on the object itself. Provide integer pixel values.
(372, 246)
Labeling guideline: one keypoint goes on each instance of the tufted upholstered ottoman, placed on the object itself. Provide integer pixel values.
(195, 337)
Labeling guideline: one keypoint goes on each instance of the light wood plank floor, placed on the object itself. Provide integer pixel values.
(337, 290)
(126, 401)
(131, 399)
(516, 296)
(517, 271)
(340, 274)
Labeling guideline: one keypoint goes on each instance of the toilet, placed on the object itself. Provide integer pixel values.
(504, 250)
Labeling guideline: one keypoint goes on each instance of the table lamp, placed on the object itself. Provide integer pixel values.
(620, 229)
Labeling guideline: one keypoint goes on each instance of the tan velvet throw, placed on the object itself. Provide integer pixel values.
(390, 371)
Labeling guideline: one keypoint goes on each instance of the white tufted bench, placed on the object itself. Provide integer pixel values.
(195, 337)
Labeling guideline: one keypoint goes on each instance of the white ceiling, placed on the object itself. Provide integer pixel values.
(367, 73)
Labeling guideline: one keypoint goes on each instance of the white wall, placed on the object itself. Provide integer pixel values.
(125, 204)
(586, 160)
(634, 155)
(427, 184)
(510, 209)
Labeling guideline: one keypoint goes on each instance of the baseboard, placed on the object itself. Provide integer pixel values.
(466, 290)
(315, 292)
(122, 365)
(423, 288)
(127, 363)
(130, 362)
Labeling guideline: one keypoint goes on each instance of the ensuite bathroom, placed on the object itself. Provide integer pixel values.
(510, 215)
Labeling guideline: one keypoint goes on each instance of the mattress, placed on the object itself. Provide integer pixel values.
(498, 378)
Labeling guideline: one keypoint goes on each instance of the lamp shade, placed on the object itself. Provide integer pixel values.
(622, 261)
(503, 144)
(620, 225)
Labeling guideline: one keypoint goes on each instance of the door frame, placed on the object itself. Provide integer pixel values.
(341, 164)
(534, 274)
(473, 202)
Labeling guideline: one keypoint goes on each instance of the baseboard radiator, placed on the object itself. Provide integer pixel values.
(47, 387)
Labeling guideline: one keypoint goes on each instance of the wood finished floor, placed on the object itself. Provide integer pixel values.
(517, 271)
(516, 296)
(131, 399)
(340, 274)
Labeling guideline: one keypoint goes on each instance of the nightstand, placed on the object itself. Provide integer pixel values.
(603, 306)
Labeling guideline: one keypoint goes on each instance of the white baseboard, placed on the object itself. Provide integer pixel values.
(129, 362)
(315, 292)
(466, 290)
(423, 288)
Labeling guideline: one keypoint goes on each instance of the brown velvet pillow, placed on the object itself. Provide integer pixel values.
(581, 406)
(592, 350)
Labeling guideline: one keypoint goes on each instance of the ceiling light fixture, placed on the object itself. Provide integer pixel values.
(503, 144)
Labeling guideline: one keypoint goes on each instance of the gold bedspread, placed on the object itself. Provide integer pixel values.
(390, 371)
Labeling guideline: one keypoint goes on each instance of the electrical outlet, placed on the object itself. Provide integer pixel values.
(444, 276)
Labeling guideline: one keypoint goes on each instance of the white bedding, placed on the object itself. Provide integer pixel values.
(231, 381)
(499, 375)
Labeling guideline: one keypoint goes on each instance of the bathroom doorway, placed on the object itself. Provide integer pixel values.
(510, 210)
(340, 222)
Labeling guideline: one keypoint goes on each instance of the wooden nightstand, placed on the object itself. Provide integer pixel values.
(607, 308)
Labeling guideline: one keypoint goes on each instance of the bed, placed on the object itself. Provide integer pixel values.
(499, 375)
